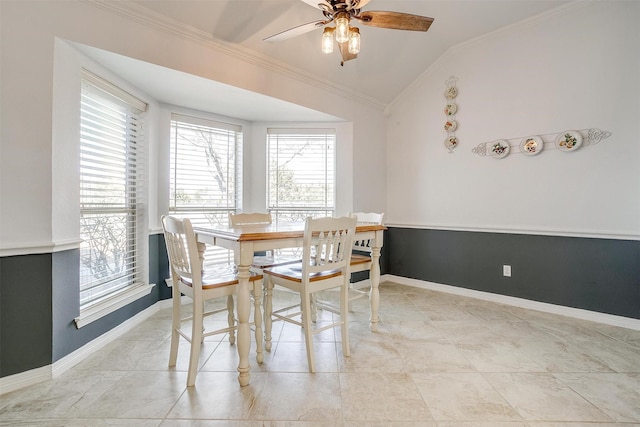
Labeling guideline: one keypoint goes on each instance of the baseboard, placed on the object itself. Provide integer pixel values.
(608, 319)
(69, 361)
(24, 379)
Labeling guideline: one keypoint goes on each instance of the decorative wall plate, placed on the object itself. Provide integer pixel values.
(531, 145)
(450, 125)
(450, 109)
(450, 142)
(499, 149)
(451, 92)
(569, 140)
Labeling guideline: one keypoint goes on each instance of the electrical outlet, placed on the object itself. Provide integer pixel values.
(506, 270)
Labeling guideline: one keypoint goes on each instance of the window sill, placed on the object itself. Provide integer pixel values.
(108, 306)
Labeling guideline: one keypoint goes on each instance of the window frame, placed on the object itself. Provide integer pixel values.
(136, 232)
(328, 209)
(214, 132)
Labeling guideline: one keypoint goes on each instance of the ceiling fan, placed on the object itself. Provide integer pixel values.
(347, 36)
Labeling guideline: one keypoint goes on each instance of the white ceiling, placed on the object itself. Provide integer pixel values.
(389, 60)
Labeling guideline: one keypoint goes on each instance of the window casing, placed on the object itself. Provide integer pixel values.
(301, 173)
(206, 175)
(113, 230)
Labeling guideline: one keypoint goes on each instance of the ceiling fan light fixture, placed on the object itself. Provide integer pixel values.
(354, 40)
(342, 27)
(327, 40)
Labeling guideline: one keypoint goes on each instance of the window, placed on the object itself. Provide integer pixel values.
(301, 169)
(206, 171)
(113, 252)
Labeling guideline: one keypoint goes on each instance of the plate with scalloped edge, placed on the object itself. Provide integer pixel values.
(450, 142)
(451, 92)
(531, 145)
(499, 149)
(450, 125)
(569, 140)
(450, 109)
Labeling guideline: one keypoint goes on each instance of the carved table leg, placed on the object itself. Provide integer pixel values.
(374, 294)
(257, 319)
(244, 331)
(268, 308)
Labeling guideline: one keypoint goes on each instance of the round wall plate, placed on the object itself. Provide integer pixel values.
(531, 145)
(450, 125)
(569, 140)
(500, 149)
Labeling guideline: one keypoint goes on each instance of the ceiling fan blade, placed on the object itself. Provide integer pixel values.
(344, 51)
(295, 31)
(395, 20)
(316, 3)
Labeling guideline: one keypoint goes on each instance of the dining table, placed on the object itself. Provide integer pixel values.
(245, 240)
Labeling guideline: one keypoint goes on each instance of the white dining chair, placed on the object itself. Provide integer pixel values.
(325, 265)
(360, 261)
(189, 279)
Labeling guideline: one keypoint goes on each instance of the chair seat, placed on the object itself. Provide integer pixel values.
(219, 277)
(357, 259)
(293, 272)
(268, 261)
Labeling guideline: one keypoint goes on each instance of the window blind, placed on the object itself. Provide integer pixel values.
(206, 175)
(301, 173)
(112, 190)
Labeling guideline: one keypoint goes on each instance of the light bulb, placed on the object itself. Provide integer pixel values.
(327, 40)
(342, 27)
(354, 40)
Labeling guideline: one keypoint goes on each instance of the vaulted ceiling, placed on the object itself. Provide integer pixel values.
(389, 60)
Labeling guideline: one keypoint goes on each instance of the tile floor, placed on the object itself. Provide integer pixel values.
(437, 360)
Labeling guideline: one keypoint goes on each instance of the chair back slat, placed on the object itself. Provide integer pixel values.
(184, 259)
(327, 243)
(370, 218)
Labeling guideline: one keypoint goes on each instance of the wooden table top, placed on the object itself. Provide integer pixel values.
(285, 230)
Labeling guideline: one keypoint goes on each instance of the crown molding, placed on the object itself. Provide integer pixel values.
(145, 16)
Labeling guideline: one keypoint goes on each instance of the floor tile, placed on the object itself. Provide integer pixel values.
(617, 394)
(382, 397)
(542, 397)
(463, 397)
(436, 360)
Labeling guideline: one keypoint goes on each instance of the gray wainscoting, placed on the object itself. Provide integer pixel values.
(39, 301)
(25, 313)
(601, 275)
(39, 292)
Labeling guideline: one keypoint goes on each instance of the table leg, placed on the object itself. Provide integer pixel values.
(374, 294)
(268, 308)
(244, 331)
(257, 319)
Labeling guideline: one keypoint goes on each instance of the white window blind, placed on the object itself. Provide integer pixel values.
(206, 175)
(301, 169)
(112, 191)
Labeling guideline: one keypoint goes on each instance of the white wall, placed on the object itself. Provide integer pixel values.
(29, 31)
(65, 129)
(576, 68)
